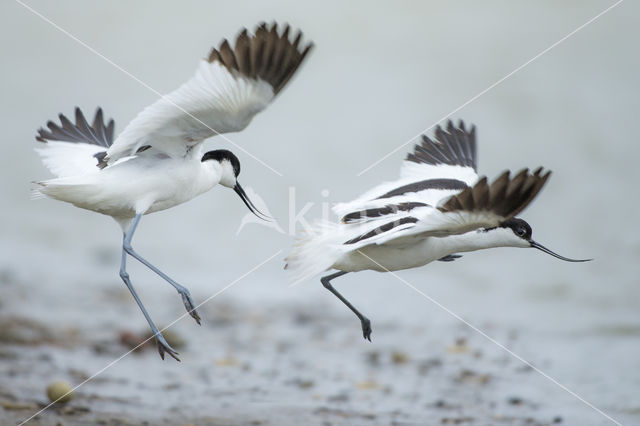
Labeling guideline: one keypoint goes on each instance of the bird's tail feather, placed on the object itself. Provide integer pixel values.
(65, 159)
(36, 193)
(316, 249)
(79, 192)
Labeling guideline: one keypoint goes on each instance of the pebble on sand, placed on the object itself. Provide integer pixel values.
(60, 391)
(398, 357)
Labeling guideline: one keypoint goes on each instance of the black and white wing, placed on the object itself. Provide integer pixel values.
(486, 206)
(436, 169)
(71, 149)
(451, 154)
(229, 88)
(479, 206)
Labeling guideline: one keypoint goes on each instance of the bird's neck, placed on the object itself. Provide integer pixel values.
(481, 239)
(209, 176)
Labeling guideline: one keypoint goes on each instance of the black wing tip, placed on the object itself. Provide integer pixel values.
(268, 54)
(452, 145)
(506, 196)
(80, 131)
(40, 137)
(437, 183)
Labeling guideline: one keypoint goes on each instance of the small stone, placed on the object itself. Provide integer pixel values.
(132, 340)
(472, 377)
(399, 357)
(426, 365)
(373, 358)
(226, 362)
(60, 391)
(459, 347)
(515, 400)
(368, 384)
(306, 384)
(10, 405)
(340, 397)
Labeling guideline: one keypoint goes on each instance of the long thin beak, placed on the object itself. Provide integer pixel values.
(546, 250)
(248, 202)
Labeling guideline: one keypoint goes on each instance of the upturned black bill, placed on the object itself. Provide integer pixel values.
(546, 250)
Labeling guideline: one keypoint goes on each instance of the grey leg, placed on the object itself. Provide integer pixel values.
(162, 343)
(364, 321)
(183, 291)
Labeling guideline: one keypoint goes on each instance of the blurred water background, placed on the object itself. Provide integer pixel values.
(379, 75)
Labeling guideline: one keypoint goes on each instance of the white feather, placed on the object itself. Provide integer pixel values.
(213, 101)
(65, 159)
(316, 249)
(421, 171)
(411, 172)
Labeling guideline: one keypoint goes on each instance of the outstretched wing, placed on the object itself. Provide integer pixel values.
(436, 169)
(228, 89)
(71, 149)
(480, 206)
(451, 154)
(98, 133)
(485, 206)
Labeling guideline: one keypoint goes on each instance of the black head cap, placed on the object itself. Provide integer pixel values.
(519, 227)
(221, 155)
(523, 230)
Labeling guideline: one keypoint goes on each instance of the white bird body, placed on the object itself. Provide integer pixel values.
(419, 252)
(430, 239)
(437, 208)
(157, 162)
(138, 185)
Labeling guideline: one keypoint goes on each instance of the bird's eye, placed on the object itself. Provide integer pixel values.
(521, 232)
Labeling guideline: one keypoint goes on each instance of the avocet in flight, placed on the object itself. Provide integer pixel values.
(157, 162)
(439, 207)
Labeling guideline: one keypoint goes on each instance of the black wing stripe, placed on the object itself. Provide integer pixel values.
(383, 228)
(381, 211)
(450, 257)
(454, 147)
(81, 131)
(444, 184)
(265, 55)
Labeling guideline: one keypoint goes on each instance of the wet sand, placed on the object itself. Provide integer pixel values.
(276, 364)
